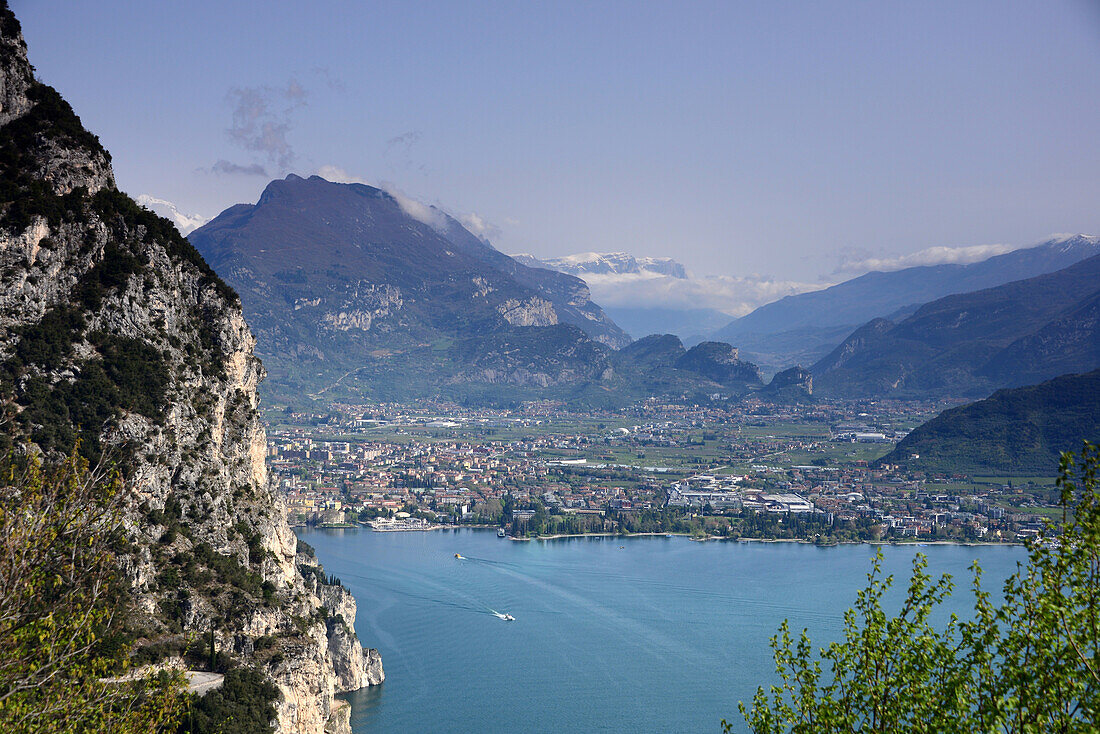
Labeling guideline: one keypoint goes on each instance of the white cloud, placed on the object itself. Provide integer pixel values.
(735, 296)
(223, 167)
(418, 210)
(480, 226)
(186, 223)
(338, 175)
(433, 216)
(621, 280)
(929, 256)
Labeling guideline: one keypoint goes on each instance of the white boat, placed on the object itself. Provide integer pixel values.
(501, 533)
(505, 617)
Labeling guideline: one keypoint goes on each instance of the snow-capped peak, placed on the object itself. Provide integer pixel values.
(608, 263)
(185, 223)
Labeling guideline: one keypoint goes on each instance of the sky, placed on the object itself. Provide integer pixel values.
(787, 141)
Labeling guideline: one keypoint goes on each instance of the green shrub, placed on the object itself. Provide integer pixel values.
(245, 704)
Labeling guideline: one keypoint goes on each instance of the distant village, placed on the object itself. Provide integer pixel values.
(736, 472)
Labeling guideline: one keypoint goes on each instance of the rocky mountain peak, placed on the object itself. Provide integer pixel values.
(792, 384)
(348, 279)
(44, 141)
(16, 73)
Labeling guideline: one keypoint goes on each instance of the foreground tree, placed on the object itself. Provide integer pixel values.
(63, 645)
(1031, 664)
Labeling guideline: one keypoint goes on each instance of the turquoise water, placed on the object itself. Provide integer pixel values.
(611, 634)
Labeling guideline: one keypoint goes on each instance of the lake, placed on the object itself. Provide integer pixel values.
(611, 634)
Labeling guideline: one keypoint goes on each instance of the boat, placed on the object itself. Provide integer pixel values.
(505, 617)
(461, 558)
(501, 533)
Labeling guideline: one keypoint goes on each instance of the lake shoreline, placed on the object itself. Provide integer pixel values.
(708, 538)
(802, 541)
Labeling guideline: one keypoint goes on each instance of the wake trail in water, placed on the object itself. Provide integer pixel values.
(466, 602)
(471, 604)
(628, 628)
(779, 607)
(490, 561)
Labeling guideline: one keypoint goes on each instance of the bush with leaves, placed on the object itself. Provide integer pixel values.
(1028, 665)
(63, 646)
(245, 704)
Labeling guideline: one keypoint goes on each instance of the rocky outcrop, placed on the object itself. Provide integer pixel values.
(792, 385)
(373, 666)
(533, 311)
(365, 304)
(18, 77)
(355, 667)
(654, 351)
(115, 333)
(719, 361)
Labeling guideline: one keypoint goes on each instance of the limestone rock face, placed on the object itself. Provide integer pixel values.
(373, 664)
(363, 305)
(114, 331)
(355, 667)
(18, 77)
(534, 311)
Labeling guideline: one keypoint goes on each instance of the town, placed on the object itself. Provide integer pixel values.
(749, 470)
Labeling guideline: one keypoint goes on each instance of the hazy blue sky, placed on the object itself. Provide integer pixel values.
(738, 137)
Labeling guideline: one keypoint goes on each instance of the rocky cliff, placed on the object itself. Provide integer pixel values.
(116, 336)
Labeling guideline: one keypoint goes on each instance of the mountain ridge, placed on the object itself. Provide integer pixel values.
(606, 263)
(971, 343)
(337, 277)
(1020, 430)
(809, 325)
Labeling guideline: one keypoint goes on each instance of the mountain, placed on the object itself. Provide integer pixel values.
(355, 292)
(630, 289)
(969, 344)
(654, 351)
(118, 340)
(793, 385)
(606, 263)
(1015, 431)
(690, 324)
(185, 223)
(719, 362)
(805, 327)
(660, 365)
(570, 295)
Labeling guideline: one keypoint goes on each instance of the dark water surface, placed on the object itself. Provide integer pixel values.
(660, 634)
